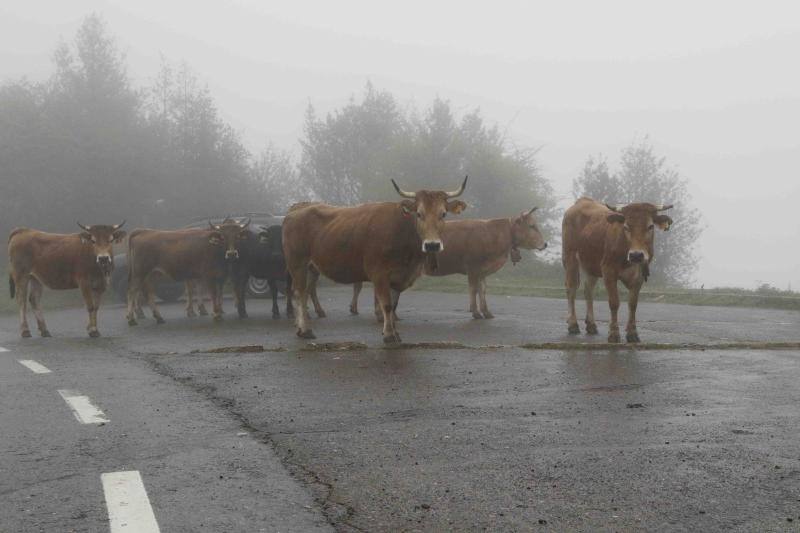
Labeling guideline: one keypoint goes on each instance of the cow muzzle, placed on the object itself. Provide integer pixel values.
(636, 256)
(232, 254)
(105, 263)
(432, 246)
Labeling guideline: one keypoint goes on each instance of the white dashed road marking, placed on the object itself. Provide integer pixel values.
(83, 409)
(128, 505)
(3, 349)
(34, 367)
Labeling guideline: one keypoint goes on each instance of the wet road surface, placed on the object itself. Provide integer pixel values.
(427, 437)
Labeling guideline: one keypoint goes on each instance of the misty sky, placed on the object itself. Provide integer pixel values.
(716, 86)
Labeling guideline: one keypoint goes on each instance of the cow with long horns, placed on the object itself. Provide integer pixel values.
(201, 255)
(82, 261)
(612, 242)
(386, 243)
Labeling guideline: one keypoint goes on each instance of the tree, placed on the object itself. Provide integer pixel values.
(643, 176)
(350, 156)
(275, 175)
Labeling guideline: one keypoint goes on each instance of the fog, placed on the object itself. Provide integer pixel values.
(715, 86)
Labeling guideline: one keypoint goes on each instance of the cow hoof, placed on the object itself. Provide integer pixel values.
(191, 314)
(487, 314)
(308, 334)
(591, 328)
(94, 334)
(132, 322)
(243, 315)
(26, 334)
(613, 337)
(477, 316)
(46, 333)
(632, 336)
(573, 329)
(321, 314)
(159, 320)
(392, 339)
(275, 316)
(353, 311)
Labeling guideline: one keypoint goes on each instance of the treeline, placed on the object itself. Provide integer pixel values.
(86, 144)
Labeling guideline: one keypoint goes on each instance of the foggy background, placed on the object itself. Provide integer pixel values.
(713, 87)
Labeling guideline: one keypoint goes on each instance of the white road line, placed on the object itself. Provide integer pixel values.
(83, 409)
(33, 366)
(129, 508)
(3, 349)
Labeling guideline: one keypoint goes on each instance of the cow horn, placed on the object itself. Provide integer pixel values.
(403, 193)
(245, 224)
(534, 208)
(615, 208)
(115, 227)
(460, 191)
(85, 228)
(662, 207)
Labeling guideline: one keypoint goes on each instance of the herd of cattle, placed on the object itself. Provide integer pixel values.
(389, 244)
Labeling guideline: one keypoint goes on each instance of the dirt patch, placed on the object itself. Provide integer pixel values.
(248, 348)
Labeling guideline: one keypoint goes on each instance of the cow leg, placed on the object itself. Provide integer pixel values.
(384, 293)
(313, 278)
(484, 307)
(588, 293)
(201, 298)
(395, 301)
(354, 302)
(22, 302)
(36, 302)
(273, 292)
(289, 294)
(634, 286)
(474, 283)
(150, 292)
(299, 274)
(610, 281)
(572, 280)
(134, 293)
(190, 299)
(214, 291)
(88, 299)
(138, 308)
(240, 293)
(377, 308)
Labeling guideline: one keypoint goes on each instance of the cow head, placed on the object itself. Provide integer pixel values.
(429, 208)
(638, 226)
(229, 234)
(272, 239)
(525, 232)
(101, 238)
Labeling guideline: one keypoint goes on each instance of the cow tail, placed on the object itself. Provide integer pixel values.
(130, 258)
(12, 287)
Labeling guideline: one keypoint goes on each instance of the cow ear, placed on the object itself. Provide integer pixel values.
(215, 239)
(616, 217)
(119, 235)
(663, 222)
(86, 237)
(456, 206)
(408, 206)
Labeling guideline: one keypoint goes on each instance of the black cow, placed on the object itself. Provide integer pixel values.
(261, 256)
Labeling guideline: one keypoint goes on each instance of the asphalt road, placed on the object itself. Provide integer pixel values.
(481, 435)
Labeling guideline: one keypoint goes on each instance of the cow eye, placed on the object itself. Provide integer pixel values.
(419, 215)
(444, 214)
(626, 227)
(650, 227)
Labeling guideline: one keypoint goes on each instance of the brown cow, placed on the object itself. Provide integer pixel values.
(183, 255)
(80, 260)
(385, 243)
(615, 243)
(477, 249)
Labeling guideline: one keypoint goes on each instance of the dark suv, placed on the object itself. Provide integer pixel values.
(170, 291)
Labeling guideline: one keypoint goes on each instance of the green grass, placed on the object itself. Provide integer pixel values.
(546, 280)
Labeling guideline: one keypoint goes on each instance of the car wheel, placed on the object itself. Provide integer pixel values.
(169, 291)
(257, 287)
